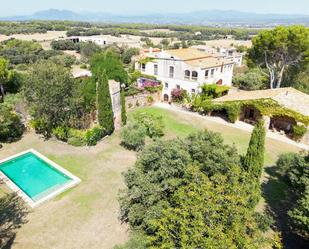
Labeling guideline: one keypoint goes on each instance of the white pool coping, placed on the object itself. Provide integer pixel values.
(23, 195)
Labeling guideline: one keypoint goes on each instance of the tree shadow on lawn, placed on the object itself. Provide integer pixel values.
(280, 200)
(13, 213)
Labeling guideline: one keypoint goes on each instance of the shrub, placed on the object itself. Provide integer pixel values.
(11, 127)
(41, 126)
(133, 137)
(153, 124)
(61, 133)
(150, 99)
(298, 131)
(211, 91)
(178, 95)
(92, 136)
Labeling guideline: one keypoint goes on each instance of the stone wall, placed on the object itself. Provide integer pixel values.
(142, 99)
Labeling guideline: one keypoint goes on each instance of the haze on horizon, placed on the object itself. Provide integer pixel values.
(21, 7)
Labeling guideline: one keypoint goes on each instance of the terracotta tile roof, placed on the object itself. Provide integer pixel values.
(188, 54)
(209, 62)
(287, 97)
(197, 58)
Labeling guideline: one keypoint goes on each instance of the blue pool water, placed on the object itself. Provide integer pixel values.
(33, 175)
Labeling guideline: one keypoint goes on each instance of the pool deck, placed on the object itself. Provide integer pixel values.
(24, 196)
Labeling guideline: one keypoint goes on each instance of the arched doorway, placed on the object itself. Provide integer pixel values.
(165, 97)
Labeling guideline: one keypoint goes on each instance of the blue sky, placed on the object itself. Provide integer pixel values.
(20, 7)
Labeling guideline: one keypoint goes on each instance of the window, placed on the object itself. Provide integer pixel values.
(212, 72)
(143, 67)
(178, 87)
(206, 74)
(166, 85)
(171, 72)
(194, 75)
(155, 69)
(187, 74)
(193, 91)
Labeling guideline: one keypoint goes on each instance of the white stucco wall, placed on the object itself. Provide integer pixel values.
(164, 63)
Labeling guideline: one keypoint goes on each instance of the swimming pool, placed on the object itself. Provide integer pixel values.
(34, 177)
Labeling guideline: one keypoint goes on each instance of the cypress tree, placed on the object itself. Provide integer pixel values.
(123, 107)
(104, 104)
(254, 160)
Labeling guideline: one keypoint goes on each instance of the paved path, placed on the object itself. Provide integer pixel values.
(237, 124)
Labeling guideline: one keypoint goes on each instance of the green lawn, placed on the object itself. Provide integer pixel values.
(180, 125)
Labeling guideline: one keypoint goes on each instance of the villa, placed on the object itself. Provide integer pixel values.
(186, 69)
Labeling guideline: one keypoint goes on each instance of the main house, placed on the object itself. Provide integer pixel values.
(186, 69)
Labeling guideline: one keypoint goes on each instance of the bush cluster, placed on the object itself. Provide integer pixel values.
(298, 131)
(76, 137)
(133, 136)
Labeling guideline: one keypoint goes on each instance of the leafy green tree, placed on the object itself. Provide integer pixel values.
(160, 170)
(4, 77)
(128, 54)
(18, 51)
(253, 162)
(111, 64)
(207, 213)
(157, 174)
(279, 49)
(64, 45)
(251, 80)
(207, 149)
(65, 60)
(104, 104)
(48, 90)
(300, 214)
(295, 170)
(88, 49)
(11, 127)
(123, 107)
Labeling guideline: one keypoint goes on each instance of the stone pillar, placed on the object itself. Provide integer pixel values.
(266, 122)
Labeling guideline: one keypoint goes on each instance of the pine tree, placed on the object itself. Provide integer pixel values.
(254, 159)
(104, 104)
(123, 108)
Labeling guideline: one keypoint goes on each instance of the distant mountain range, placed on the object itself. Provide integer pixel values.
(207, 17)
